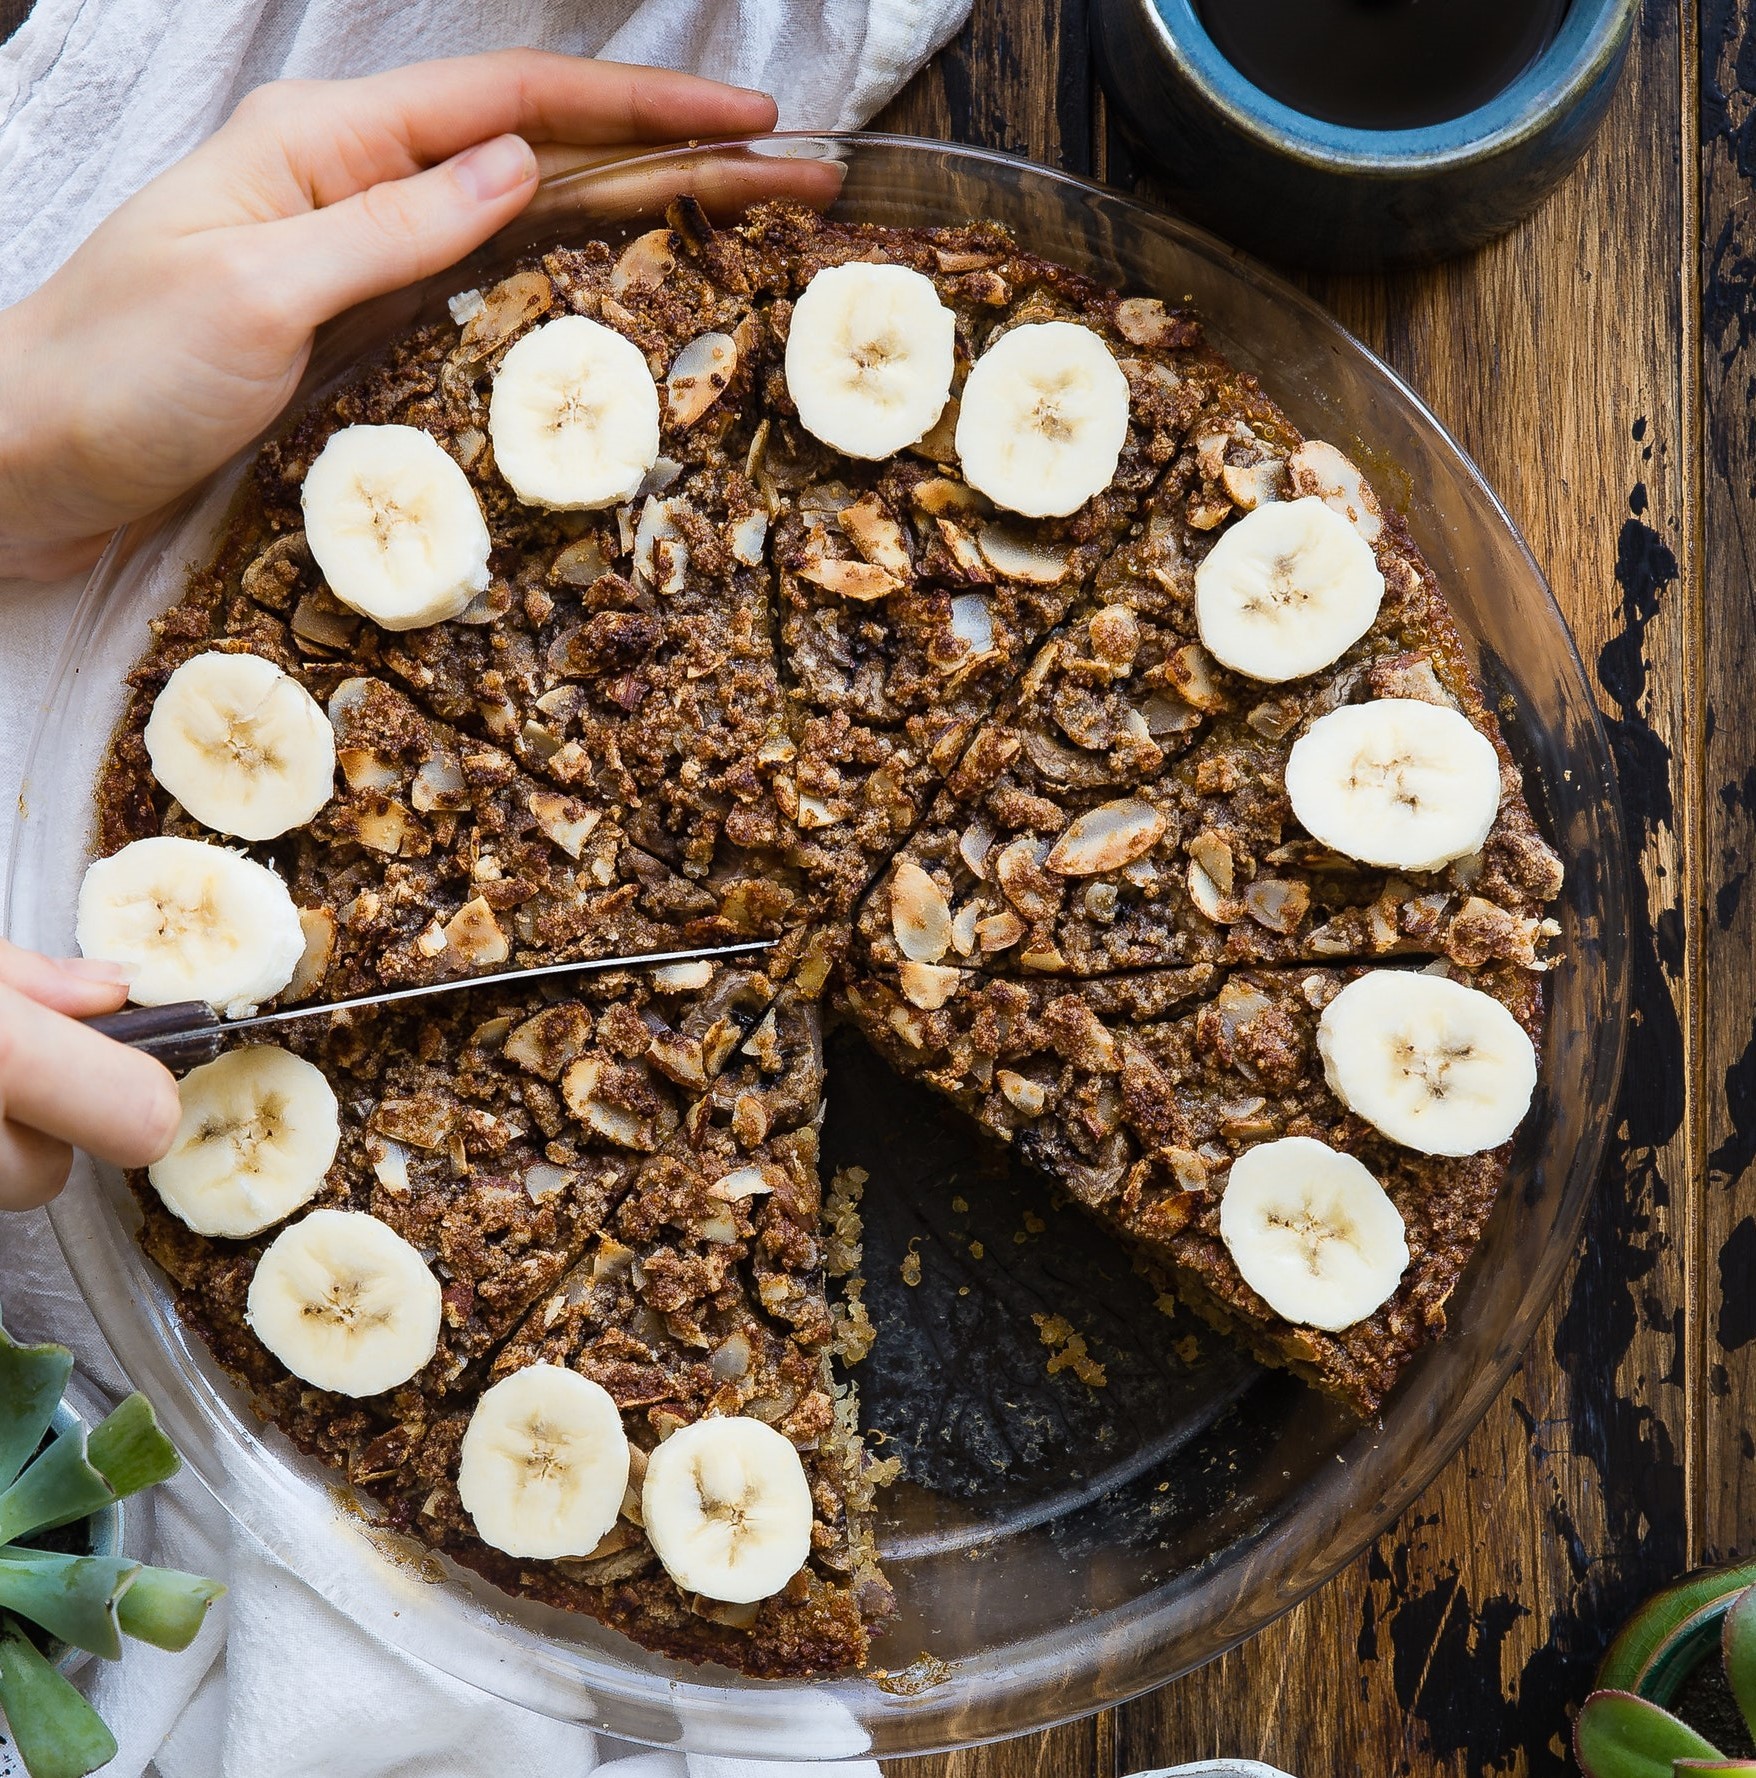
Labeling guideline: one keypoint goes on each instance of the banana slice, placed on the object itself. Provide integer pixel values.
(574, 416)
(395, 526)
(1043, 420)
(544, 1464)
(1395, 782)
(245, 749)
(1435, 1065)
(259, 1129)
(870, 352)
(198, 922)
(728, 1509)
(345, 1303)
(1312, 1232)
(1287, 589)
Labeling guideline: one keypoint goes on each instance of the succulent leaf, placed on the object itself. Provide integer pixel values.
(1662, 1643)
(166, 1607)
(1738, 1644)
(59, 1487)
(129, 1451)
(31, 1381)
(1618, 1735)
(73, 1597)
(1711, 1766)
(57, 1734)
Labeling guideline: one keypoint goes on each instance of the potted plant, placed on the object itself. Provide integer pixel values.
(66, 1588)
(1625, 1728)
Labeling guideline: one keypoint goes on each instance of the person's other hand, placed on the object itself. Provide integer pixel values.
(63, 1086)
(180, 328)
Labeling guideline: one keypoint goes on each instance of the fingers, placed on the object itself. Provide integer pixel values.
(33, 1167)
(81, 987)
(338, 137)
(394, 233)
(68, 1082)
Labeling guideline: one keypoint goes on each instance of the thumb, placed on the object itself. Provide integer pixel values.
(392, 234)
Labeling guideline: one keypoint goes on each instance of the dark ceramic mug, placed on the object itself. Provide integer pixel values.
(1294, 187)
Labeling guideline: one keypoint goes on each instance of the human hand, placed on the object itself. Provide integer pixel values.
(62, 1084)
(181, 327)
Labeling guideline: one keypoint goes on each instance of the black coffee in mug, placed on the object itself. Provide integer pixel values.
(1382, 64)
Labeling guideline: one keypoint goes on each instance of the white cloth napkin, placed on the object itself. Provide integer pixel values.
(96, 96)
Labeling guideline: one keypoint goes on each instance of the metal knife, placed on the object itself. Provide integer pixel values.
(190, 1031)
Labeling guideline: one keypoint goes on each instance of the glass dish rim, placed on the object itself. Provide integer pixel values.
(1434, 1452)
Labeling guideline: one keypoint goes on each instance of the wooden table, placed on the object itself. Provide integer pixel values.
(1600, 365)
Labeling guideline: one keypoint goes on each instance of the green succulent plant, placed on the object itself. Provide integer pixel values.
(89, 1601)
(1621, 1733)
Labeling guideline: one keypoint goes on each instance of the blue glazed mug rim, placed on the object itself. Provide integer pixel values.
(1583, 50)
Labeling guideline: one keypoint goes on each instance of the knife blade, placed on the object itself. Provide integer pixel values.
(189, 1032)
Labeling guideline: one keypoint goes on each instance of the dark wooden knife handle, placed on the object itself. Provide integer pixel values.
(180, 1035)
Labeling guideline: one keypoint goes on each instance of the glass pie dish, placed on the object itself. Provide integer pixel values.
(1055, 1548)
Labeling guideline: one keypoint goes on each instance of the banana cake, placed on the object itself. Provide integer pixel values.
(1092, 742)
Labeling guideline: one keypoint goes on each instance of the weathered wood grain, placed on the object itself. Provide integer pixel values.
(1564, 358)
(1724, 887)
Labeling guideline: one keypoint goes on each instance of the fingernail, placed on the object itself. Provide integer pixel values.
(492, 169)
(99, 969)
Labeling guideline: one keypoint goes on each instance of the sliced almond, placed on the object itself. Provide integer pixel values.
(615, 1123)
(564, 819)
(973, 845)
(963, 928)
(439, 784)
(929, 985)
(1319, 469)
(646, 262)
(851, 580)
(1106, 838)
(512, 305)
(1018, 558)
(386, 826)
(682, 977)
(972, 623)
(1143, 321)
(876, 535)
(366, 770)
(475, 935)
(1114, 631)
(999, 932)
(741, 1183)
(919, 914)
(1191, 669)
(1214, 856)
(746, 536)
(318, 926)
(1278, 904)
(699, 375)
(679, 1058)
(1250, 484)
(1022, 1094)
(940, 495)
(1021, 877)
